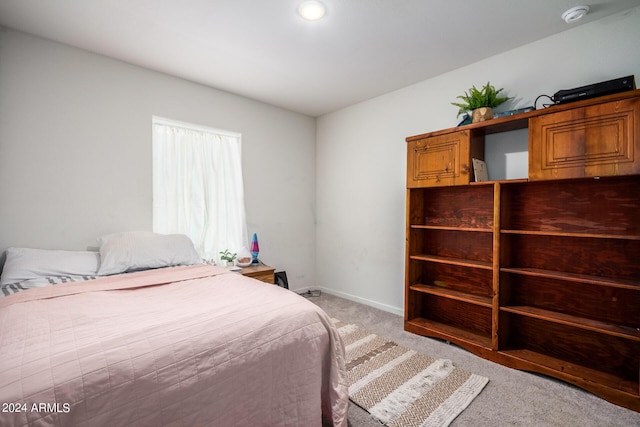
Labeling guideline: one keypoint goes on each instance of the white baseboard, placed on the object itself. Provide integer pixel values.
(370, 303)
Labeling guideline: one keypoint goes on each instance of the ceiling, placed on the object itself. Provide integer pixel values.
(263, 50)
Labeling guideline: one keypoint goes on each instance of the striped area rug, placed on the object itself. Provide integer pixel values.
(401, 387)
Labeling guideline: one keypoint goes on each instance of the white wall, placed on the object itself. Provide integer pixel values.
(75, 152)
(361, 150)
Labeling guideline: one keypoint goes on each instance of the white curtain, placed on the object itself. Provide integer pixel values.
(197, 186)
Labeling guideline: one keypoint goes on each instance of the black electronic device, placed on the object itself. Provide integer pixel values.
(280, 278)
(609, 87)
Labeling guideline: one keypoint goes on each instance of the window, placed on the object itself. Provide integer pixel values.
(197, 186)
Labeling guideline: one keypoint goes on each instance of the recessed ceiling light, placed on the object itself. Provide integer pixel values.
(575, 14)
(311, 10)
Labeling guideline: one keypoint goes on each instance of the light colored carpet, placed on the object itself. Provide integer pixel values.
(401, 387)
(511, 398)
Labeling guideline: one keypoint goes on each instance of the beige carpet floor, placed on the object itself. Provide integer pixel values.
(511, 398)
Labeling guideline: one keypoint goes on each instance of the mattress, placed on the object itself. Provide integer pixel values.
(179, 346)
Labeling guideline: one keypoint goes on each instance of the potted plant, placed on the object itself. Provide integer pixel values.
(480, 102)
(227, 257)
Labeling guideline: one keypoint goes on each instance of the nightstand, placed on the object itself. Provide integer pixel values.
(261, 272)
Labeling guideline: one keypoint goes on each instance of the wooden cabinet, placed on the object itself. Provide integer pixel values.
(442, 160)
(596, 140)
(540, 275)
(449, 271)
(260, 272)
(569, 283)
(590, 138)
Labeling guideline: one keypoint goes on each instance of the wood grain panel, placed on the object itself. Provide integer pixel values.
(591, 301)
(472, 281)
(609, 258)
(606, 206)
(585, 348)
(459, 314)
(441, 161)
(456, 244)
(462, 207)
(598, 140)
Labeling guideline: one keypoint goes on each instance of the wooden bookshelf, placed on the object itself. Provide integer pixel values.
(540, 274)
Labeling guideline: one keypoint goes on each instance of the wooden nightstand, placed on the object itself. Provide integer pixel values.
(261, 272)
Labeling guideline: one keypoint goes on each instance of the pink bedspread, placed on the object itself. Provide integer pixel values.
(183, 346)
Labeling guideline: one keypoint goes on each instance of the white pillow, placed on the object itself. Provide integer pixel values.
(25, 263)
(139, 250)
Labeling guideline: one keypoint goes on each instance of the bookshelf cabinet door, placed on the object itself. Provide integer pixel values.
(598, 140)
(440, 161)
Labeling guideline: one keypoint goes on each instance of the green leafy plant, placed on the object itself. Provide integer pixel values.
(227, 256)
(478, 98)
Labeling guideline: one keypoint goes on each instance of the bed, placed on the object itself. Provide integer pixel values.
(185, 345)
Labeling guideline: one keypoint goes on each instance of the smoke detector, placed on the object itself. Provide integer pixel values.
(575, 14)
